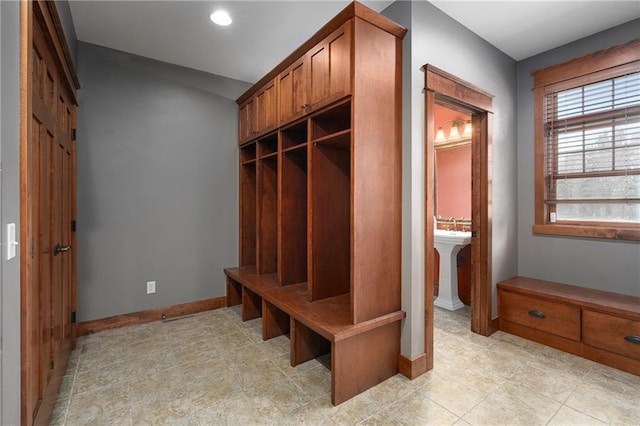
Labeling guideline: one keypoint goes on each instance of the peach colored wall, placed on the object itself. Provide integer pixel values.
(453, 180)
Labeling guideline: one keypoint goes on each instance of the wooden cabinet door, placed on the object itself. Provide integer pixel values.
(266, 108)
(292, 92)
(246, 120)
(330, 68)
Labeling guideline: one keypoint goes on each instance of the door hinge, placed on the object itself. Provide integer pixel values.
(73, 134)
(73, 317)
(73, 226)
(33, 250)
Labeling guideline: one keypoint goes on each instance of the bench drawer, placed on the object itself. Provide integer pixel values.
(611, 333)
(541, 314)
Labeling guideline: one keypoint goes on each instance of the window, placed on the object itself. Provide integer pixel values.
(587, 122)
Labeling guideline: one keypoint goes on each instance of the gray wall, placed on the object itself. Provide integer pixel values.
(601, 264)
(10, 210)
(438, 40)
(446, 44)
(157, 184)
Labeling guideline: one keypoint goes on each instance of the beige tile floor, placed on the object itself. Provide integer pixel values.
(212, 369)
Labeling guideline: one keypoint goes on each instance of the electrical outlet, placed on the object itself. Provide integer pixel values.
(151, 287)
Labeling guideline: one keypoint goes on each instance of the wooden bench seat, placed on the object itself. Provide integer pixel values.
(361, 355)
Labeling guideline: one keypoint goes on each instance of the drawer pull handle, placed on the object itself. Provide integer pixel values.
(633, 339)
(536, 314)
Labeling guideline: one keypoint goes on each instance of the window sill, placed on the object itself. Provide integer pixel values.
(609, 232)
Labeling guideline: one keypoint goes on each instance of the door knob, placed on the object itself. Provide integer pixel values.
(59, 249)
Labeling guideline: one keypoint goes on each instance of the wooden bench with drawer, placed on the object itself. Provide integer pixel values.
(594, 324)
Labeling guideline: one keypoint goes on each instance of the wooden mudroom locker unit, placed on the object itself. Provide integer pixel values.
(320, 200)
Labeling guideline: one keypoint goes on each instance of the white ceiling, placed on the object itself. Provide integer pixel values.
(265, 32)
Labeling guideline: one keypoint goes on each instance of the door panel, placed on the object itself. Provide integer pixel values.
(48, 203)
(266, 108)
(292, 94)
(330, 68)
(246, 121)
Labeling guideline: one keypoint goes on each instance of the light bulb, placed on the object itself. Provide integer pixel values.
(467, 130)
(440, 136)
(220, 17)
(454, 133)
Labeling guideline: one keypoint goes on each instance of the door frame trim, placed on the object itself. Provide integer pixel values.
(442, 87)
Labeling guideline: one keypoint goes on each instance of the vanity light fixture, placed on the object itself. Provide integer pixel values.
(220, 17)
(454, 132)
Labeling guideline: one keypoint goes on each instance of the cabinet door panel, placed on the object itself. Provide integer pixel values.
(293, 91)
(330, 68)
(266, 108)
(245, 121)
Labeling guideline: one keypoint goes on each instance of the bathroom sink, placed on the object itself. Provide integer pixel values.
(448, 244)
(452, 237)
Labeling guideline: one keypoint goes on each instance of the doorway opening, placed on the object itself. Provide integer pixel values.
(455, 106)
(452, 208)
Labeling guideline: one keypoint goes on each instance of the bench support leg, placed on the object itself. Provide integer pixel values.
(274, 321)
(251, 305)
(306, 344)
(364, 360)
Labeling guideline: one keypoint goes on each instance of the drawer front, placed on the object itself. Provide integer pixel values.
(544, 315)
(611, 333)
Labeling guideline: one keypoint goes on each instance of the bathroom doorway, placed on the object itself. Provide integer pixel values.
(452, 208)
(470, 110)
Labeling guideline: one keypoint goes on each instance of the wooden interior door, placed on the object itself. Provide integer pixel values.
(48, 295)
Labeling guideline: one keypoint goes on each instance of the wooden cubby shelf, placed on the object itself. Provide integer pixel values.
(340, 140)
(295, 148)
(270, 155)
(320, 206)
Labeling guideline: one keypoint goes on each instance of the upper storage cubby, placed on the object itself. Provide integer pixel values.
(268, 146)
(295, 136)
(248, 153)
(332, 126)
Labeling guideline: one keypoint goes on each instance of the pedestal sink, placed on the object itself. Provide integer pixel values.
(448, 244)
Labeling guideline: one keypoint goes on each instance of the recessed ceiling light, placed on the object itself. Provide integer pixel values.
(220, 17)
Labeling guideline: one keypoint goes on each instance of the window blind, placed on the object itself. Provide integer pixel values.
(592, 151)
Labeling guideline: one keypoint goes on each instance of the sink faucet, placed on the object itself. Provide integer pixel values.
(455, 223)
